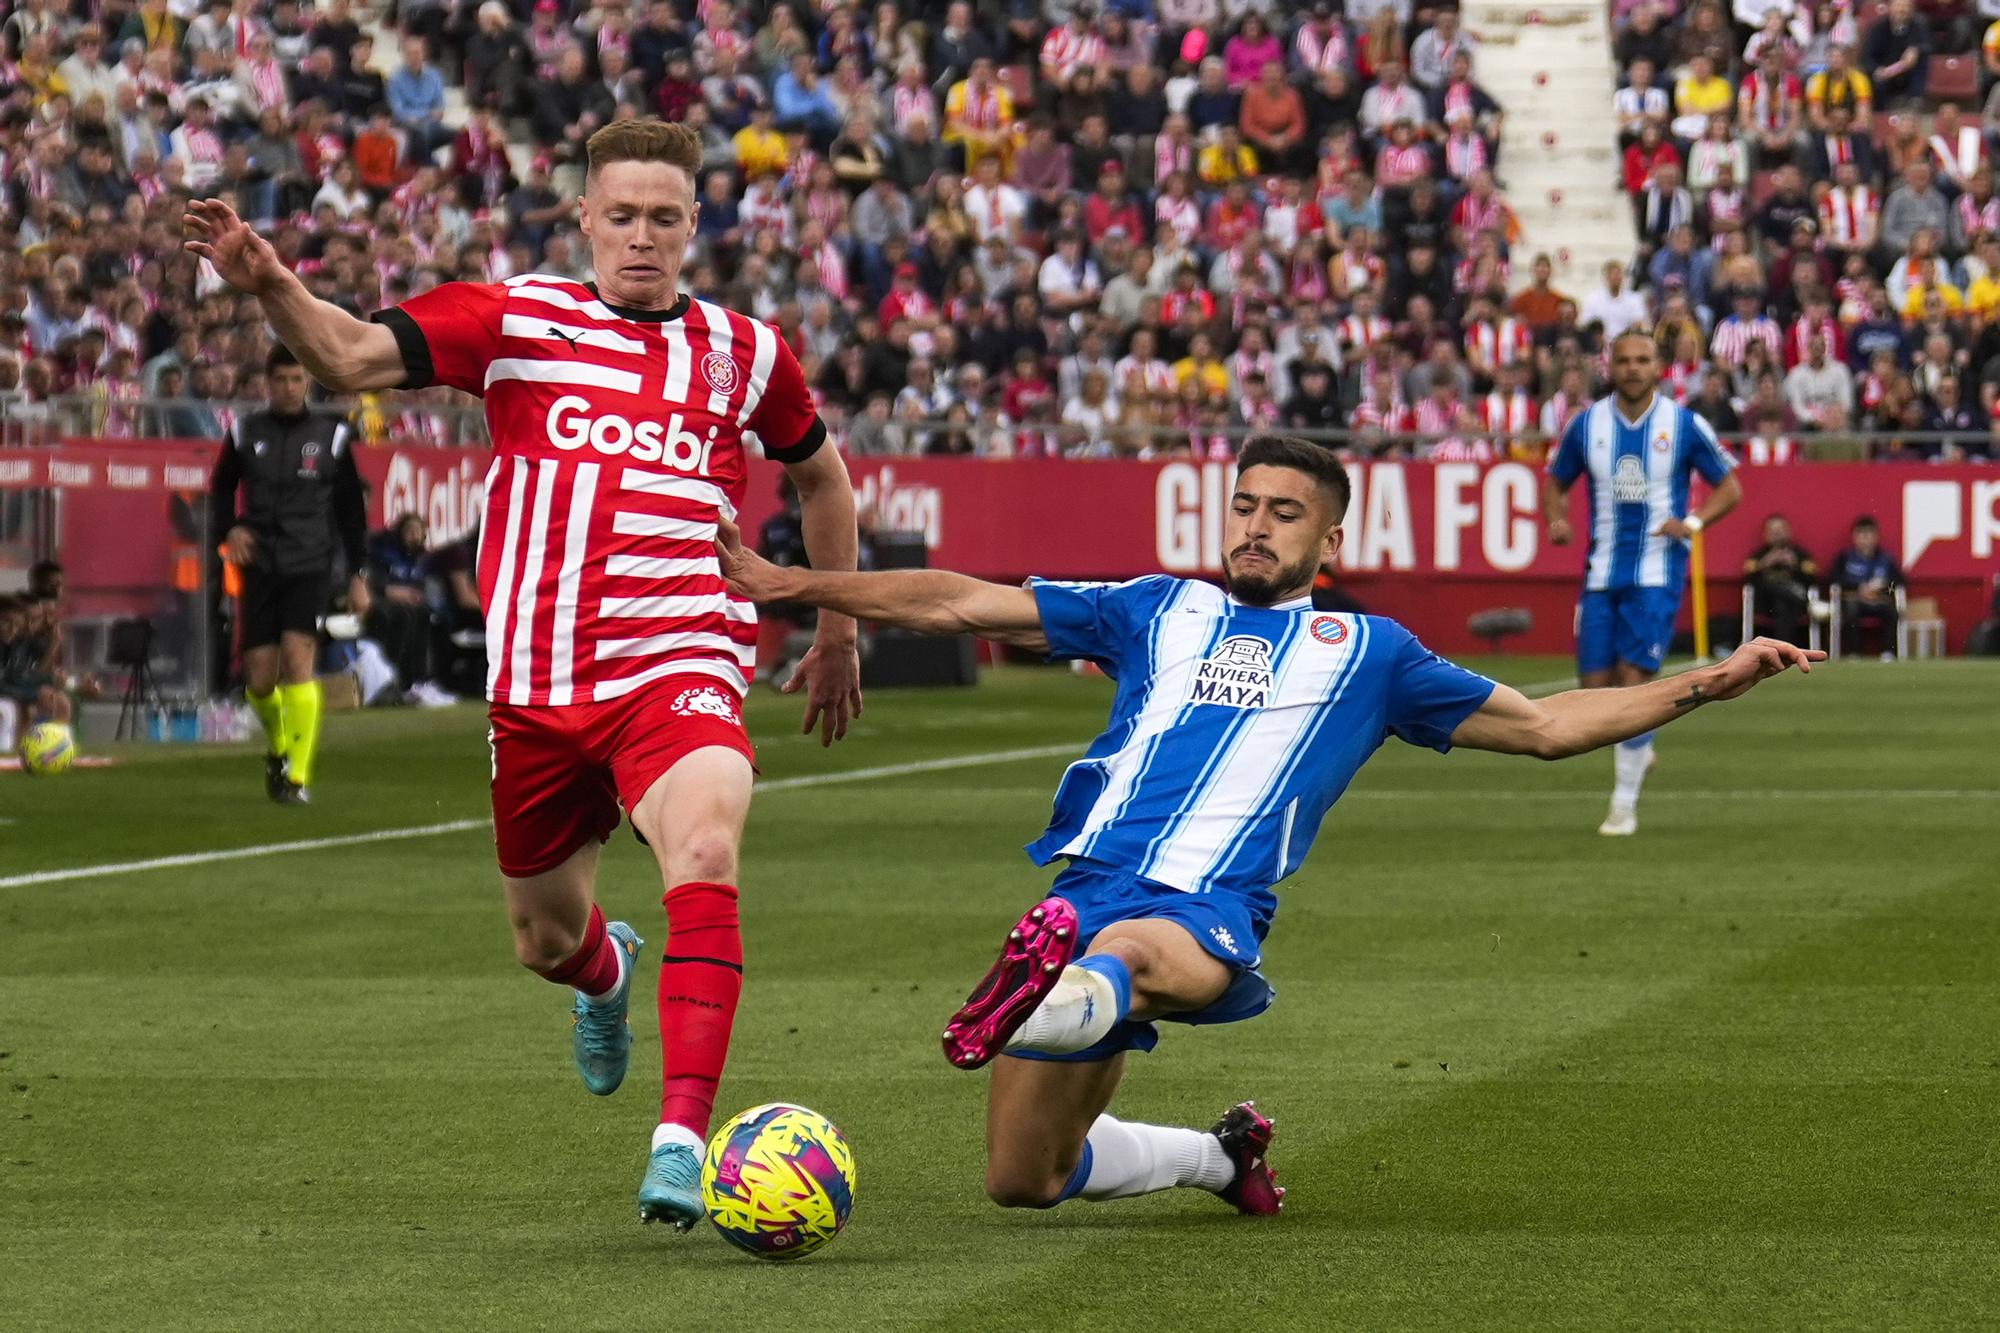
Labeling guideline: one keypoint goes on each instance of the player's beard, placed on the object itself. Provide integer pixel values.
(1267, 589)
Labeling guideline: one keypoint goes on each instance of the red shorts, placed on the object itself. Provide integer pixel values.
(561, 774)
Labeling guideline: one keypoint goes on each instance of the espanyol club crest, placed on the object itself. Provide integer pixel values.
(719, 371)
(1661, 442)
(1329, 630)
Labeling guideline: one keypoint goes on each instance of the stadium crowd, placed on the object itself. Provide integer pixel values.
(1819, 239)
(1009, 228)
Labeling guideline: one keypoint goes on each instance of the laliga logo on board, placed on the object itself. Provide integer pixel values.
(668, 442)
(902, 508)
(1938, 511)
(450, 503)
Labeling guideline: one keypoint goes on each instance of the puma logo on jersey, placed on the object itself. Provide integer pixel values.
(571, 338)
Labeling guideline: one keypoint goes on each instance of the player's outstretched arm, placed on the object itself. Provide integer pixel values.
(1580, 720)
(929, 601)
(343, 353)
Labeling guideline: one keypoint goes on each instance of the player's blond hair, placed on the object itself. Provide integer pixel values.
(647, 140)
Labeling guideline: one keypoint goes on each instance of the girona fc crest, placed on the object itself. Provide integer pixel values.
(706, 702)
(719, 371)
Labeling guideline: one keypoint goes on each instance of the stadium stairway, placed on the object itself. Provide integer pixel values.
(1549, 65)
(389, 54)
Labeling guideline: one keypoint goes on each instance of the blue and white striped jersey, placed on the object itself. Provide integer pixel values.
(1235, 728)
(1640, 473)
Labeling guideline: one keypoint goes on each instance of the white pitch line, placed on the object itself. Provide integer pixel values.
(921, 766)
(467, 825)
(242, 853)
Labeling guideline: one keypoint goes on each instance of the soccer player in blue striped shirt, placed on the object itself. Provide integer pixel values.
(1641, 450)
(1240, 717)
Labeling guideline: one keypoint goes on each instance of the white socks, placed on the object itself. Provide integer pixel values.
(1630, 761)
(666, 1134)
(1128, 1159)
(1087, 1002)
(624, 970)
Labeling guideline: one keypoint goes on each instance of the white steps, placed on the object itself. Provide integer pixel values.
(1550, 68)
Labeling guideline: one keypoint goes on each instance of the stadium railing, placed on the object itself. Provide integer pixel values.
(405, 421)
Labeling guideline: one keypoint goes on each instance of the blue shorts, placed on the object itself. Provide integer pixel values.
(1632, 625)
(1225, 925)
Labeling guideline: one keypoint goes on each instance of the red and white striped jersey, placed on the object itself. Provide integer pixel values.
(617, 440)
(1321, 52)
(1434, 418)
(1066, 50)
(1509, 414)
(1392, 417)
(1358, 333)
(1559, 409)
(1960, 157)
(1456, 450)
(1499, 343)
(1798, 339)
(1848, 216)
(1772, 102)
(1680, 378)
(1764, 449)
(1730, 343)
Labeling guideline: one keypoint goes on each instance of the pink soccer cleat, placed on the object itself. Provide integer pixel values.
(1246, 1136)
(1031, 962)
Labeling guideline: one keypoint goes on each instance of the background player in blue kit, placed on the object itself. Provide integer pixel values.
(1240, 717)
(1640, 450)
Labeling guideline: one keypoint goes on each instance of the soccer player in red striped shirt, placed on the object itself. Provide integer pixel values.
(618, 658)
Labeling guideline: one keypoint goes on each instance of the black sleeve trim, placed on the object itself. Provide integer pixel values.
(410, 341)
(815, 436)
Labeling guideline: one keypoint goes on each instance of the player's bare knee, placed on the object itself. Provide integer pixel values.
(704, 856)
(1017, 1189)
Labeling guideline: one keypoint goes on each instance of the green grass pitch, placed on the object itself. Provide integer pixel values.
(1742, 1071)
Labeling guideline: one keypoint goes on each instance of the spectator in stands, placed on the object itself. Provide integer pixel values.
(1867, 577)
(1820, 390)
(496, 60)
(1896, 52)
(416, 101)
(1913, 206)
(1611, 307)
(1780, 575)
(1840, 85)
(1537, 303)
(399, 617)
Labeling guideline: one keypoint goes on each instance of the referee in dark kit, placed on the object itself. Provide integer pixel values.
(286, 494)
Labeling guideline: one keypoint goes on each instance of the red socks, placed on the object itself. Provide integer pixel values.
(701, 977)
(593, 968)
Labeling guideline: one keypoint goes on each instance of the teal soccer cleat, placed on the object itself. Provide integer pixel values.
(671, 1191)
(601, 1037)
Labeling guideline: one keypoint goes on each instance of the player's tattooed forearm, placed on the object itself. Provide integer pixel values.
(1694, 698)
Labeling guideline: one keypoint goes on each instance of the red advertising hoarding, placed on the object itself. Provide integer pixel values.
(1427, 543)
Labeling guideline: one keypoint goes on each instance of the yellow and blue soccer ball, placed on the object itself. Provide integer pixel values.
(778, 1181)
(48, 748)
